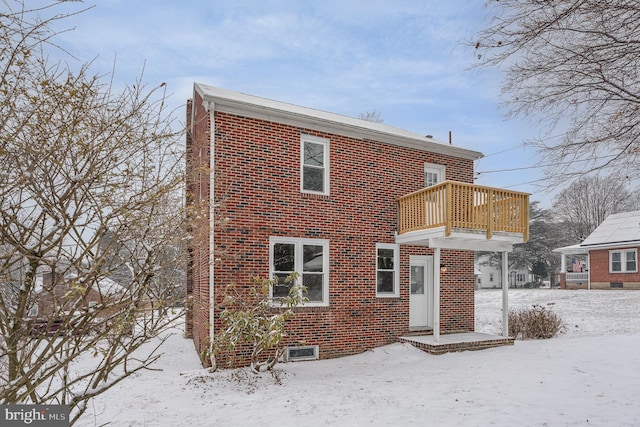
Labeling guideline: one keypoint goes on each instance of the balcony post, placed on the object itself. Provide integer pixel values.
(448, 208)
(505, 294)
(436, 294)
(525, 221)
(490, 214)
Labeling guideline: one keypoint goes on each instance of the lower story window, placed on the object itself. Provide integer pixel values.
(623, 261)
(387, 270)
(309, 259)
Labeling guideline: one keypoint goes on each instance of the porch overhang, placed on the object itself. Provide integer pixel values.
(462, 239)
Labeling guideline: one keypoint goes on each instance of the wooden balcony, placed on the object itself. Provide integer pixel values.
(466, 213)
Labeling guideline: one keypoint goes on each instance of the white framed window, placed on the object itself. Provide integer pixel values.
(623, 261)
(387, 270)
(309, 258)
(314, 165)
(433, 174)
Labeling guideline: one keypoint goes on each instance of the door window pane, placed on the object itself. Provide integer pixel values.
(417, 280)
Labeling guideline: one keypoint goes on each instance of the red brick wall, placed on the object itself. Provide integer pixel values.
(601, 278)
(258, 173)
(198, 179)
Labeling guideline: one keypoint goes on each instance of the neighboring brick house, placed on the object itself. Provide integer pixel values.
(56, 294)
(607, 259)
(362, 211)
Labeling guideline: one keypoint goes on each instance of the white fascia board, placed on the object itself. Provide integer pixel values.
(613, 245)
(281, 112)
(487, 245)
(571, 250)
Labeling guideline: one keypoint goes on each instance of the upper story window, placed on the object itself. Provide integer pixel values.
(433, 174)
(309, 258)
(387, 270)
(623, 261)
(314, 164)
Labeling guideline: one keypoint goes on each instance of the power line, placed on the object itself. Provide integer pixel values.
(523, 145)
(545, 165)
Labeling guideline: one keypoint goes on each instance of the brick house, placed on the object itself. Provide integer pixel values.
(607, 258)
(364, 212)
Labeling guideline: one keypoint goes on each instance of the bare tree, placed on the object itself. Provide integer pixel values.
(373, 116)
(90, 185)
(590, 200)
(574, 65)
(545, 234)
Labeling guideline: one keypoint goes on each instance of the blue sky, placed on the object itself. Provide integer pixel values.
(405, 59)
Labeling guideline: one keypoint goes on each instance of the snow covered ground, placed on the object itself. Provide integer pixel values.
(590, 375)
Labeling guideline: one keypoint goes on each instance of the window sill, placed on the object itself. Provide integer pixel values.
(314, 196)
(305, 307)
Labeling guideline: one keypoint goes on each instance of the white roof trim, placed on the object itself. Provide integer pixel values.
(612, 245)
(266, 109)
(573, 249)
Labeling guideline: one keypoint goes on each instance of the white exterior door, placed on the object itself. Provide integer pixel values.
(421, 293)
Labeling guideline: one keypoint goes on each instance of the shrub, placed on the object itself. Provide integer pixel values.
(252, 319)
(537, 322)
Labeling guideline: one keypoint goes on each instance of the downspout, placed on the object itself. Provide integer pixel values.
(212, 207)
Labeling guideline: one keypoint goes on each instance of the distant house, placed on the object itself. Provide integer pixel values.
(55, 293)
(607, 259)
(380, 224)
(489, 276)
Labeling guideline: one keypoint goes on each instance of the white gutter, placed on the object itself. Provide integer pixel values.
(281, 112)
(212, 256)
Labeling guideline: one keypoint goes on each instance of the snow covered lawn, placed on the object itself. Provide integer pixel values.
(590, 375)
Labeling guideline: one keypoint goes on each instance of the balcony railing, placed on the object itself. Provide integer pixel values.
(461, 206)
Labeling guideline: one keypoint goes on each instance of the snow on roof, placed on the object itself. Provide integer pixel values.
(107, 286)
(282, 112)
(618, 229)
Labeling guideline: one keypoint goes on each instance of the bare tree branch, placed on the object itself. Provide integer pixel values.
(91, 221)
(572, 65)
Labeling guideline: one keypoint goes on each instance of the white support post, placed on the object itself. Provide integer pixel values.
(436, 295)
(505, 294)
(588, 272)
